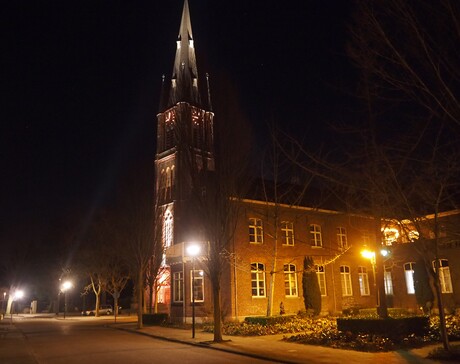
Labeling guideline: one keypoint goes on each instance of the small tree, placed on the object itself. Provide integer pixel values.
(310, 286)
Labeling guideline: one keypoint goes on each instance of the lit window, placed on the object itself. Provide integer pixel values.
(363, 281)
(178, 286)
(255, 231)
(342, 238)
(168, 229)
(288, 232)
(315, 235)
(345, 280)
(290, 280)
(388, 281)
(320, 273)
(258, 279)
(409, 274)
(168, 183)
(197, 285)
(390, 235)
(444, 276)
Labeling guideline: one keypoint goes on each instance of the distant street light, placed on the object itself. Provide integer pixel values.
(193, 250)
(18, 294)
(64, 288)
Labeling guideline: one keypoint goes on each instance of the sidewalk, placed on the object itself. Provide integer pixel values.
(273, 349)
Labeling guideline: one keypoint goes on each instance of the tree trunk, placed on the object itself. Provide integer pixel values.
(140, 296)
(217, 310)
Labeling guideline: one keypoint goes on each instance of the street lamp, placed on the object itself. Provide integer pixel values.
(371, 256)
(64, 288)
(16, 296)
(193, 250)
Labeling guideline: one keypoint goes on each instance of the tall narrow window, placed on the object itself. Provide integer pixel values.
(178, 287)
(258, 279)
(256, 231)
(388, 281)
(363, 281)
(168, 229)
(444, 276)
(197, 285)
(409, 274)
(288, 232)
(342, 238)
(168, 189)
(345, 280)
(290, 280)
(321, 274)
(315, 236)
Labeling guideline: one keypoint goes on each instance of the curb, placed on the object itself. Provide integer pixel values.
(208, 345)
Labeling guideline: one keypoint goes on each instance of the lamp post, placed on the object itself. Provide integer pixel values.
(193, 250)
(371, 256)
(380, 287)
(64, 288)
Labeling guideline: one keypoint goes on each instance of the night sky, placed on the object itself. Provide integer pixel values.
(81, 83)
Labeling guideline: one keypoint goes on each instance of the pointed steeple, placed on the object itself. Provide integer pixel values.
(184, 81)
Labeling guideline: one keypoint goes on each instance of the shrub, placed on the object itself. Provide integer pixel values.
(155, 318)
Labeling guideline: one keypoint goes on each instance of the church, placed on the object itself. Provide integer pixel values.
(264, 257)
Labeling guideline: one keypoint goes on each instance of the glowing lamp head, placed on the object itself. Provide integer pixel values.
(368, 254)
(18, 294)
(66, 286)
(193, 250)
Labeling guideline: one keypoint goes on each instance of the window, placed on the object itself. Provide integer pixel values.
(345, 280)
(388, 282)
(255, 231)
(168, 229)
(363, 281)
(290, 280)
(366, 238)
(197, 285)
(444, 276)
(288, 232)
(258, 279)
(315, 235)
(342, 238)
(320, 273)
(409, 274)
(178, 287)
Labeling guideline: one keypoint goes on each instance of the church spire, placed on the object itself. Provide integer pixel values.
(184, 82)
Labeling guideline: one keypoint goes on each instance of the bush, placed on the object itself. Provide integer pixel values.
(155, 318)
(394, 328)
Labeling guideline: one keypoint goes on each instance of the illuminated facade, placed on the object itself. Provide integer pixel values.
(265, 258)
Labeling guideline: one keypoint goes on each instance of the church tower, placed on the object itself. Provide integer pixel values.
(184, 137)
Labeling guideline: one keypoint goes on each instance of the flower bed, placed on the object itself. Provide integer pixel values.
(323, 331)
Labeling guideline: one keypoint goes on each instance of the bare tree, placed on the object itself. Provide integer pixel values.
(410, 49)
(138, 228)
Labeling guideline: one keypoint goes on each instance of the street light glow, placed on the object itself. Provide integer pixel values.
(66, 286)
(368, 254)
(193, 250)
(18, 295)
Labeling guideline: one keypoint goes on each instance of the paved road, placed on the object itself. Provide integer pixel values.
(71, 341)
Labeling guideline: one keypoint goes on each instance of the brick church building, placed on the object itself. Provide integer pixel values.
(264, 268)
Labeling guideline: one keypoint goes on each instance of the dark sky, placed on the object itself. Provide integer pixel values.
(81, 81)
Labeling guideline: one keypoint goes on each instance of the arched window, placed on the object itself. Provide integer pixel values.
(409, 274)
(345, 280)
(444, 275)
(258, 279)
(168, 229)
(363, 281)
(290, 280)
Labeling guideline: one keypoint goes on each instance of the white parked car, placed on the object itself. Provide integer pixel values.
(103, 310)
